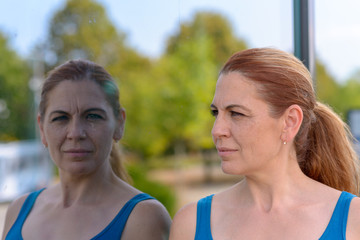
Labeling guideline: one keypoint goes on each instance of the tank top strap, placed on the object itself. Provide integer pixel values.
(116, 227)
(203, 215)
(15, 230)
(336, 228)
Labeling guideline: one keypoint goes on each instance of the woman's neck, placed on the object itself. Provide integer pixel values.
(86, 189)
(276, 187)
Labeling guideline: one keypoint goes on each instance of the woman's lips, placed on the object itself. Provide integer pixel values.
(77, 153)
(223, 151)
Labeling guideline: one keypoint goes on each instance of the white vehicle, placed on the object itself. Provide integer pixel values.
(25, 166)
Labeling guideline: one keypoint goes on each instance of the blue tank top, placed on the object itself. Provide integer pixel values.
(112, 231)
(336, 229)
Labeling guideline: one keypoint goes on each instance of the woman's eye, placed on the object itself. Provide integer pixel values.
(214, 112)
(93, 116)
(59, 118)
(236, 114)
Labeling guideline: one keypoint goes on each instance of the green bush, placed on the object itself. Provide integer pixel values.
(161, 192)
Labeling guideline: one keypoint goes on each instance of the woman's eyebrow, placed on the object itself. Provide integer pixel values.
(95, 110)
(86, 111)
(58, 112)
(231, 106)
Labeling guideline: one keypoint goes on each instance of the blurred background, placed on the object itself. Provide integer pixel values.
(165, 56)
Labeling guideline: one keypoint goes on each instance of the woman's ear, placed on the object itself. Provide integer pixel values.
(293, 117)
(42, 134)
(119, 131)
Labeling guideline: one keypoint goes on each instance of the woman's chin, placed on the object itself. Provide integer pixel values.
(229, 168)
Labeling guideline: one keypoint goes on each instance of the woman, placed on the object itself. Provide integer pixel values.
(295, 155)
(79, 118)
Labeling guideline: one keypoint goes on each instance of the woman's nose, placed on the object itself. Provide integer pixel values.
(220, 128)
(76, 130)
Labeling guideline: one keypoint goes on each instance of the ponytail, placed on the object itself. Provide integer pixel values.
(117, 164)
(330, 157)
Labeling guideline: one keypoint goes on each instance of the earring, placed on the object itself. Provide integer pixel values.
(281, 138)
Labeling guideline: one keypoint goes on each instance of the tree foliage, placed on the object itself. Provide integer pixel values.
(166, 99)
(193, 59)
(16, 108)
(208, 27)
(350, 97)
(181, 84)
(82, 30)
(327, 89)
(341, 98)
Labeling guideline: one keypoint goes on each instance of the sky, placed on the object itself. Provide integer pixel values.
(148, 23)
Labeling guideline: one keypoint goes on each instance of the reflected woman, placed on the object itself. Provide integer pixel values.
(300, 170)
(80, 121)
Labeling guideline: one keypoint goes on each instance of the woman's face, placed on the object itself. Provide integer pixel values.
(247, 138)
(78, 127)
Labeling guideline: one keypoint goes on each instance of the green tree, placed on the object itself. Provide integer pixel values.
(350, 97)
(341, 98)
(16, 108)
(82, 30)
(186, 76)
(327, 89)
(211, 27)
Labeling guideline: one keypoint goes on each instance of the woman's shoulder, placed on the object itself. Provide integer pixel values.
(17, 203)
(187, 213)
(12, 212)
(148, 220)
(150, 208)
(184, 223)
(353, 229)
